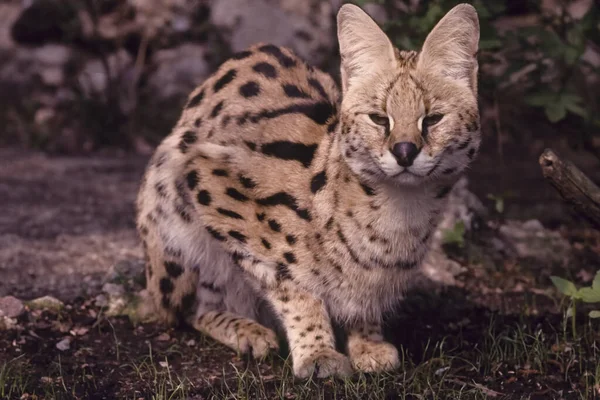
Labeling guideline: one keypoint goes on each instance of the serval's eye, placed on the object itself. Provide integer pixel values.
(380, 119)
(428, 121)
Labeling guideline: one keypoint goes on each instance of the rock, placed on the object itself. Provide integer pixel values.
(305, 26)
(46, 63)
(101, 301)
(113, 289)
(7, 323)
(94, 79)
(530, 239)
(11, 307)
(45, 303)
(64, 344)
(178, 71)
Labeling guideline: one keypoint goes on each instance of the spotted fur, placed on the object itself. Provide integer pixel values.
(276, 188)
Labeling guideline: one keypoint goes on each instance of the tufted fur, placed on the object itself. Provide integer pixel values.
(274, 188)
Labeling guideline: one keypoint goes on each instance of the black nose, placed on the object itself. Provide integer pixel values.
(405, 153)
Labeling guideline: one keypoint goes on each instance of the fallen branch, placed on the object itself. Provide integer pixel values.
(573, 185)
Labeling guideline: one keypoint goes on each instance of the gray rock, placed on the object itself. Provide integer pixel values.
(64, 344)
(305, 26)
(11, 307)
(178, 71)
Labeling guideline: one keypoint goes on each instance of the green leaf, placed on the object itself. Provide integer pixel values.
(564, 286)
(540, 99)
(455, 235)
(589, 295)
(594, 314)
(555, 111)
(596, 282)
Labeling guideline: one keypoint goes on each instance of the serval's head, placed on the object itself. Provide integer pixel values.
(409, 117)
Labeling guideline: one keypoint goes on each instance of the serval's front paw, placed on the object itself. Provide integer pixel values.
(254, 338)
(323, 362)
(373, 356)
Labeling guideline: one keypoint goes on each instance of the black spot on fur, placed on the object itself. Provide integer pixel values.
(473, 126)
(265, 243)
(284, 199)
(304, 214)
(188, 138)
(464, 144)
(471, 153)
(196, 100)
(238, 236)
(224, 122)
(229, 213)
(247, 182)
(173, 269)
(187, 303)
(166, 286)
(332, 126)
(204, 197)
(317, 85)
(443, 192)
(368, 190)
(161, 190)
(283, 272)
(215, 233)
(350, 250)
(448, 171)
(217, 109)
(224, 80)
(241, 55)
(251, 145)
(210, 287)
(183, 213)
(220, 172)
(265, 69)
(192, 179)
(318, 181)
(291, 239)
(250, 89)
(260, 216)
(275, 51)
(294, 91)
(274, 225)
(236, 194)
(198, 122)
(319, 112)
(329, 223)
(287, 150)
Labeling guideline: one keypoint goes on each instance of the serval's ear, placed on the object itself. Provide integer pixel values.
(364, 48)
(451, 47)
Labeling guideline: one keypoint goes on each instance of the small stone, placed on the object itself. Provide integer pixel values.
(46, 303)
(113, 289)
(64, 344)
(101, 301)
(11, 307)
(163, 337)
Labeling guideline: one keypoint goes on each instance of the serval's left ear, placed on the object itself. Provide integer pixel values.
(451, 47)
(364, 48)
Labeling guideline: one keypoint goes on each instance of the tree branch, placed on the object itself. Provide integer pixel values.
(573, 185)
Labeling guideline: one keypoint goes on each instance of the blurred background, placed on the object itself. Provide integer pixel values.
(89, 87)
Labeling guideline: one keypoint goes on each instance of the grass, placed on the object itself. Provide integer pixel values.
(490, 356)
